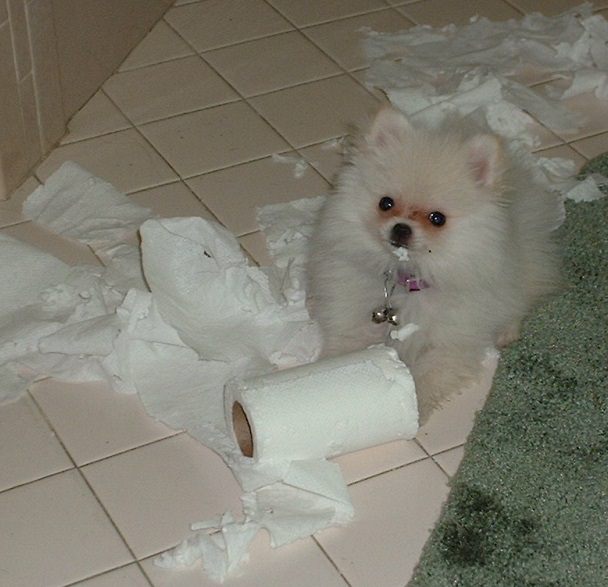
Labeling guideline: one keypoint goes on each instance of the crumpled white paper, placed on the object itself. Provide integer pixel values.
(473, 71)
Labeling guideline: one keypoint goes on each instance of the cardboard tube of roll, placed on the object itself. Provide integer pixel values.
(323, 409)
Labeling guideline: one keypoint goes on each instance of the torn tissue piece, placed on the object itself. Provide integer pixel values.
(472, 70)
(300, 164)
(404, 332)
(77, 205)
(203, 286)
(342, 404)
(401, 253)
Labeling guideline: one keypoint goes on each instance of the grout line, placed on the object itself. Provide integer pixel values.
(391, 470)
(107, 572)
(331, 560)
(83, 477)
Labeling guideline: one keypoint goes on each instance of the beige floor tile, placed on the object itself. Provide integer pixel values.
(395, 513)
(326, 157)
(343, 39)
(316, 11)
(28, 447)
(440, 13)
(171, 201)
(450, 425)
(301, 564)
(155, 492)
(97, 117)
(129, 576)
(54, 532)
(379, 459)
(95, 422)
(162, 43)
(217, 23)
(234, 194)
(594, 111)
(449, 460)
(593, 146)
(123, 158)
(10, 210)
(552, 7)
(211, 139)
(69, 252)
(565, 152)
(170, 88)
(272, 63)
(255, 246)
(317, 111)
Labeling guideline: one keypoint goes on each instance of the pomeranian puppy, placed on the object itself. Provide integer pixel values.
(439, 233)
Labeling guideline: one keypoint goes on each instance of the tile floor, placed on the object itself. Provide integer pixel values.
(91, 489)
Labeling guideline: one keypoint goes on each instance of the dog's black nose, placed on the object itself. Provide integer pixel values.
(400, 234)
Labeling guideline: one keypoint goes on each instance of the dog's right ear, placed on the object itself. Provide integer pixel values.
(388, 126)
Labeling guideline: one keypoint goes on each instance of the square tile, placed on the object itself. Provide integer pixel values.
(217, 23)
(55, 532)
(234, 194)
(317, 111)
(593, 110)
(395, 513)
(379, 459)
(592, 146)
(123, 158)
(267, 64)
(97, 117)
(95, 422)
(29, 449)
(173, 200)
(10, 210)
(129, 576)
(254, 245)
(170, 88)
(316, 11)
(326, 157)
(155, 492)
(439, 13)
(450, 424)
(449, 460)
(301, 564)
(552, 7)
(214, 138)
(162, 43)
(565, 152)
(70, 252)
(343, 39)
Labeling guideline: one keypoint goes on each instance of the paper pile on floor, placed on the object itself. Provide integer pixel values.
(197, 316)
(473, 70)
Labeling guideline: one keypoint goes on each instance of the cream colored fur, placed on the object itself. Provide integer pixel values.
(491, 261)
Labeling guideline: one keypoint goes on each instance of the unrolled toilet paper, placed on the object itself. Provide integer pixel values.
(324, 409)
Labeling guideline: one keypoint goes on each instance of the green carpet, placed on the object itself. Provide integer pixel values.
(529, 504)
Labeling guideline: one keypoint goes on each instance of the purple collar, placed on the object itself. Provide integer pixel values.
(411, 282)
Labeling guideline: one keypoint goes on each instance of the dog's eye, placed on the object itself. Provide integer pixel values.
(386, 203)
(436, 218)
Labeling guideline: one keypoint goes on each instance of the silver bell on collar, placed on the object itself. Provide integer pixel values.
(385, 314)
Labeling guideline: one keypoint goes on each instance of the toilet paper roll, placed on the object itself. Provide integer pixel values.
(323, 409)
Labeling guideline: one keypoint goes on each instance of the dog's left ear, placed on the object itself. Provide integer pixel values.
(388, 125)
(485, 159)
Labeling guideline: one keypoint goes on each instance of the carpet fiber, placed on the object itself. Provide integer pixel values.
(529, 504)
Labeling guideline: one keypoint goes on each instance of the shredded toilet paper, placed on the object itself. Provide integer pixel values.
(476, 70)
(175, 323)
